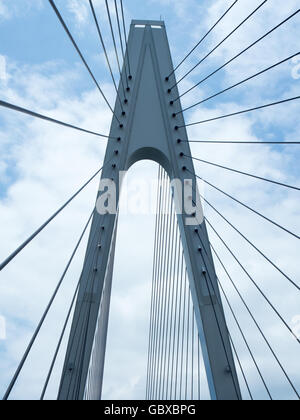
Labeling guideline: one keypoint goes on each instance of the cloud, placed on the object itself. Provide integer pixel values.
(3, 72)
(4, 13)
(79, 10)
(41, 165)
(2, 328)
(82, 14)
(266, 52)
(296, 68)
(9, 9)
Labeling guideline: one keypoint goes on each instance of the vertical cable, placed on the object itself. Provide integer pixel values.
(193, 343)
(160, 210)
(179, 324)
(178, 259)
(187, 344)
(199, 367)
(170, 287)
(161, 290)
(173, 300)
(153, 293)
(165, 292)
(183, 332)
(158, 274)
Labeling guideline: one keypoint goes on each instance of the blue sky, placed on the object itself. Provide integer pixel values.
(40, 165)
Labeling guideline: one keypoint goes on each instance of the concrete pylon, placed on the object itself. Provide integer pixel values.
(147, 132)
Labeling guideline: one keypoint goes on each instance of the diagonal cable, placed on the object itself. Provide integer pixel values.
(256, 249)
(243, 300)
(254, 320)
(45, 118)
(106, 54)
(88, 253)
(241, 53)
(93, 253)
(237, 84)
(241, 368)
(121, 40)
(234, 316)
(81, 55)
(115, 47)
(153, 292)
(240, 112)
(249, 208)
(59, 344)
(257, 287)
(239, 142)
(44, 225)
(244, 173)
(125, 39)
(220, 43)
(32, 341)
(202, 39)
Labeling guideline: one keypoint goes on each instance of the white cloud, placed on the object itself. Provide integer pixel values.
(296, 325)
(79, 10)
(296, 68)
(82, 14)
(9, 9)
(265, 53)
(41, 165)
(3, 72)
(48, 164)
(4, 13)
(2, 328)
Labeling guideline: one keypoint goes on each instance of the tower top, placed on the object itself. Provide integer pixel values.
(143, 23)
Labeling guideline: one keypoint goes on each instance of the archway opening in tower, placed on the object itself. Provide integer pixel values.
(153, 349)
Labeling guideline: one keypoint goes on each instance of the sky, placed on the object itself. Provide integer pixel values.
(41, 165)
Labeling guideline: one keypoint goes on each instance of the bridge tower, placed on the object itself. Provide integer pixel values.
(147, 131)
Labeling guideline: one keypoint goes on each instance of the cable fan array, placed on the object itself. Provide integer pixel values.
(175, 361)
